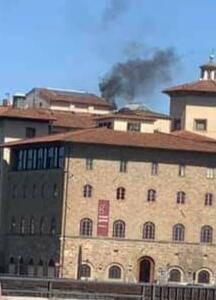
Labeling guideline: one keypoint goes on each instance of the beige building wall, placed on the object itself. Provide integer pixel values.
(120, 125)
(189, 108)
(15, 130)
(162, 125)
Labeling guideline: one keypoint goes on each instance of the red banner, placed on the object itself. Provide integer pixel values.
(103, 218)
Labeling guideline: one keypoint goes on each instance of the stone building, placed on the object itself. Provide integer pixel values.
(112, 205)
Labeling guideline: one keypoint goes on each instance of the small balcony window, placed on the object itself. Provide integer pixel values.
(200, 125)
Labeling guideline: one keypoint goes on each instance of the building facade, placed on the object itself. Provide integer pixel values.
(109, 205)
(64, 100)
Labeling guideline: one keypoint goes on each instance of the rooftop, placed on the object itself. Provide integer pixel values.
(108, 137)
(28, 113)
(70, 96)
(195, 87)
(135, 113)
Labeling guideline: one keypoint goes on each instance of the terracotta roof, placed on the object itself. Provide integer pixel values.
(192, 136)
(134, 115)
(72, 120)
(110, 137)
(200, 86)
(52, 95)
(28, 113)
(125, 117)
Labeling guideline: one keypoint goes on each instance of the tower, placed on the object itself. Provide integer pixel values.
(208, 70)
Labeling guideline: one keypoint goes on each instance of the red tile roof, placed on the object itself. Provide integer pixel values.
(72, 120)
(200, 86)
(192, 136)
(139, 114)
(73, 98)
(103, 136)
(27, 113)
(120, 116)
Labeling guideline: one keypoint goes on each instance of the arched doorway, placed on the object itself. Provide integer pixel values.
(146, 269)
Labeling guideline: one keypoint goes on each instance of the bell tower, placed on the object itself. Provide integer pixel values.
(208, 70)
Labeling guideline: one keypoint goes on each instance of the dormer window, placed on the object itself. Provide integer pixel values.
(133, 126)
(200, 124)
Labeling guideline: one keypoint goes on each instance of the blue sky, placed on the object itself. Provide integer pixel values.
(70, 43)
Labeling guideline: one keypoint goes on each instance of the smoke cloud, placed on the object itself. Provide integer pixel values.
(114, 10)
(138, 76)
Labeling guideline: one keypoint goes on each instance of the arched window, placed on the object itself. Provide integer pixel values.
(22, 226)
(86, 226)
(31, 267)
(13, 225)
(40, 268)
(51, 268)
(149, 231)
(42, 226)
(119, 229)
(12, 260)
(55, 190)
(178, 232)
(151, 196)
(32, 226)
(208, 199)
(206, 234)
(114, 272)
(175, 275)
(21, 266)
(180, 198)
(203, 277)
(85, 271)
(120, 193)
(53, 226)
(87, 191)
(12, 266)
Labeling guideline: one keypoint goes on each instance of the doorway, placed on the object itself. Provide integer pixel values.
(146, 269)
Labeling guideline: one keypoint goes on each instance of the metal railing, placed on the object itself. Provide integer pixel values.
(73, 289)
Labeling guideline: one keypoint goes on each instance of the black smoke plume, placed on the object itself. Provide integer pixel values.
(114, 9)
(138, 76)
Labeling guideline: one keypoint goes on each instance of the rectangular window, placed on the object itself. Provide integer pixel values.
(20, 160)
(51, 158)
(30, 132)
(200, 124)
(154, 168)
(24, 161)
(29, 159)
(61, 157)
(181, 172)
(89, 163)
(37, 158)
(177, 124)
(123, 166)
(210, 173)
(133, 126)
(40, 158)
